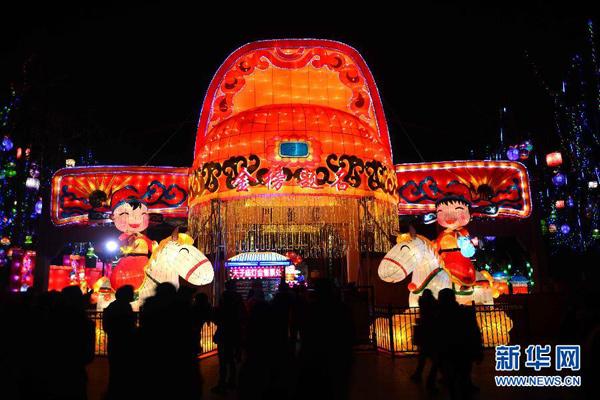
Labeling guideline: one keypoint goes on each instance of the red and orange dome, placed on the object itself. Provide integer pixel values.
(298, 117)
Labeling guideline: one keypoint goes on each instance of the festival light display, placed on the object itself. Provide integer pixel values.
(417, 256)
(450, 193)
(62, 276)
(494, 324)
(176, 257)
(255, 272)
(575, 165)
(21, 269)
(20, 180)
(257, 265)
(165, 190)
(519, 284)
(292, 138)
(293, 153)
(130, 216)
(293, 144)
(265, 268)
(554, 159)
(500, 184)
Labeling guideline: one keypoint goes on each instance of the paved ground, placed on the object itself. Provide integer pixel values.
(375, 377)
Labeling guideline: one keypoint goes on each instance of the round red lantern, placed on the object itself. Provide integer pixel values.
(554, 159)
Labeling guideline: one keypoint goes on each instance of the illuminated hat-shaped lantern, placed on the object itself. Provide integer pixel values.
(291, 141)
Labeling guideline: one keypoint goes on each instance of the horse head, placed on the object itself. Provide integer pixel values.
(177, 256)
(403, 258)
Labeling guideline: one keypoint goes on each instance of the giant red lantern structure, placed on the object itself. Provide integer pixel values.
(292, 154)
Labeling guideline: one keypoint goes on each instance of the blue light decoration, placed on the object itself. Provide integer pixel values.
(38, 207)
(513, 153)
(258, 259)
(429, 218)
(565, 229)
(293, 149)
(467, 249)
(576, 113)
(559, 179)
(7, 144)
(500, 276)
(570, 202)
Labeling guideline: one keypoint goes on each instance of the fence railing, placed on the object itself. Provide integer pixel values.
(207, 346)
(392, 328)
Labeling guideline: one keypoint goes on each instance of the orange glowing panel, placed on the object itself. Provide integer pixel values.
(293, 117)
(164, 189)
(504, 184)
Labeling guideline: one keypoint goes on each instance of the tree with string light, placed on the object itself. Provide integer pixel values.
(20, 200)
(569, 181)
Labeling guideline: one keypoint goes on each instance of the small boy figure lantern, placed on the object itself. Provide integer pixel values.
(130, 216)
(454, 245)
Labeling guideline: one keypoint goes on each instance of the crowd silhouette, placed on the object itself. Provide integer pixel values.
(298, 345)
(47, 341)
(451, 351)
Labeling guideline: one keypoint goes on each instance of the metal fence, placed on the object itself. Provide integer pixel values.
(392, 328)
(207, 346)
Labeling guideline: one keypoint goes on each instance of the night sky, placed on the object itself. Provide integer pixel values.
(137, 74)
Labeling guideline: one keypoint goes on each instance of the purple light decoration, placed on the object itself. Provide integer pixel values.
(565, 229)
(38, 207)
(559, 179)
(513, 154)
(7, 144)
(489, 238)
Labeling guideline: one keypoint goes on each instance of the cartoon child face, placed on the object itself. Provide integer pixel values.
(131, 217)
(453, 214)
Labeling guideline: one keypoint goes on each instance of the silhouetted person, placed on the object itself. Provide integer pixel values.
(459, 344)
(255, 295)
(326, 346)
(282, 305)
(70, 340)
(255, 373)
(425, 337)
(188, 347)
(298, 315)
(473, 346)
(229, 316)
(282, 347)
(358, 304)
(165, 328)
(119, 324)
(201, 314)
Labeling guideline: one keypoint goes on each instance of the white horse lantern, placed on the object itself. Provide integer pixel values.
(174, 257)
(415, 254)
